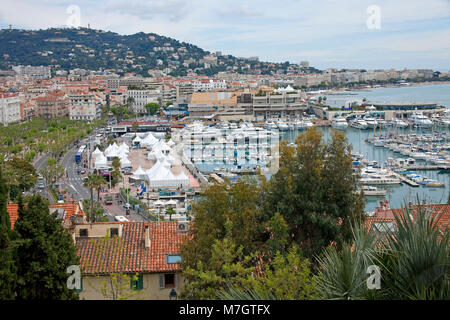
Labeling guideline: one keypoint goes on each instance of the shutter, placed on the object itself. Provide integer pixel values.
(81, 286)
(176, 280)
(141, 282)
(161, 281)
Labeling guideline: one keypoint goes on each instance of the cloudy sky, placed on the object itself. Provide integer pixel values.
(327, 33)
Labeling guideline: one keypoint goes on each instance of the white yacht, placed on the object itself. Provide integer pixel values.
(282, 126)
(359, 123)
(373, 191)
(339, 123)
(371, 122)
(270, 125)
(398, 123)
(420, 120)
(372, 176)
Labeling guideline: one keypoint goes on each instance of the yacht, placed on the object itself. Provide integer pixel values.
(282, 126)
(419, 120)
(339, 123)
(270, 125)
(373, 191)
(371, 122)
(398, 123)
(359, 124)
(373, 176)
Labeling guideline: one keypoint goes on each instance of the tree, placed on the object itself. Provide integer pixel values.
(170, 211)
(43, 253)
(315, 191)
(52, 172)
(135, 127)
(413, 259)
(7, 271)
(287, 277)
(227, 266)
(94, 182)
(97, 213)
(152, 108)
(21, 176)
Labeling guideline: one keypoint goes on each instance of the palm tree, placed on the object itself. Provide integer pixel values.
(94, 182)
(413, 258)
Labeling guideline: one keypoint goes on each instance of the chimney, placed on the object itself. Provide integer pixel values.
(386, 204)
(147, 237)
(381, 205)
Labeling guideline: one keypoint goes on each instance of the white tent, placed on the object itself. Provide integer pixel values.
(124, 148)
(96, 153)
(149, 141)
(160, 176)
(171, 203)
(137, 140)
(158, 203)
(170, 143)
(163, 147)
(139, 173)
(156, 155)
(101, 162)
(125, 163)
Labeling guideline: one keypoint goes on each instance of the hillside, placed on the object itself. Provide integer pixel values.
(69, 48)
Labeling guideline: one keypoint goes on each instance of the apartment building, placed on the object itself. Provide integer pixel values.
(54, 104)
(285, 103)
(141, 98)
(209, 85)
(84, 106)
(9, 108)
(35, 72)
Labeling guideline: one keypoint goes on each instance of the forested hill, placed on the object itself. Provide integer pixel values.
(70, 48)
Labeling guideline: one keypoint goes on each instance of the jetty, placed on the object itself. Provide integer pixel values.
(406, 180)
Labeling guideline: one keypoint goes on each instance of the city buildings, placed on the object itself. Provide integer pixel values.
(52, 105)
(10, 109)
(84, 107)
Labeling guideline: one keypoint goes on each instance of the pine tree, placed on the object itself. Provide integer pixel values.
(45, 250)
(6, 257)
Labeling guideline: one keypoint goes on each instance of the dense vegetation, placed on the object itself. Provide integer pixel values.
(31, 138)
(34, 256)
(95, 49)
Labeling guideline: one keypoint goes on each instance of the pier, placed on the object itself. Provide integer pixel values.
(406, 180)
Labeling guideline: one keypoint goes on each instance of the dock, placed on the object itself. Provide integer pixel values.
(406, 180)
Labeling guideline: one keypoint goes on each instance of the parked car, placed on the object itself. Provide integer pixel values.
(41, 185)
(108, 199)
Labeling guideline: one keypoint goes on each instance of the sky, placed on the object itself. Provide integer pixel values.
(368, 34)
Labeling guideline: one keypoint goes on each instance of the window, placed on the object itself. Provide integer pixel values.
(173, 258)
(83, 232)
(137, 282)
(114, 232)
(167, 280)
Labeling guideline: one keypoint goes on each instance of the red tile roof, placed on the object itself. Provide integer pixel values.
(128, 253)
(70, 208)
(385, 214)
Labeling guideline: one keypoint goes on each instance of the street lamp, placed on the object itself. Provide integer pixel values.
(173, 295)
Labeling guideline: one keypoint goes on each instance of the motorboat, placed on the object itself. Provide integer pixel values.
(420, 120)
(371, 122)
(282, 126)
(270, 125)
(373, 191)
(339, 123)
(359, 123)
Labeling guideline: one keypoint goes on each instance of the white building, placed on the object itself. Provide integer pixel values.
(37, 72)
(83, 107)
(209, 84)
(141, 98)
(9, 108)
